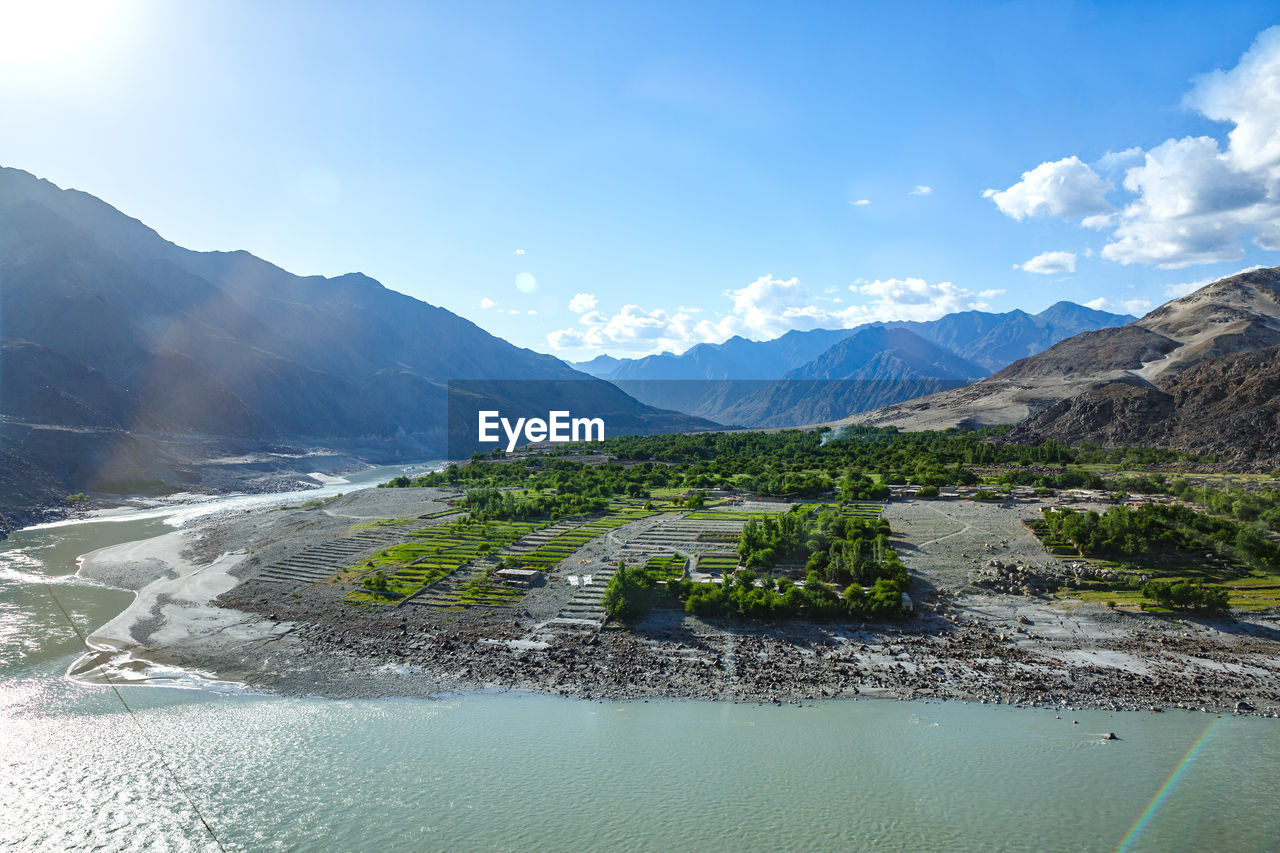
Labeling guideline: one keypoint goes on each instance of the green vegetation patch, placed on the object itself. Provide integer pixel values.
(1170, 557)
(434, 553)
(668, 568)
(836, 549)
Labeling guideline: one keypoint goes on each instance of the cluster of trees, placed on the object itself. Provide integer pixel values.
(860, 462)
(1134, 532)
(854, 550)
(1042, 479)
(869, 448)
(857, 486)
(1260, 507)
(632, 592)
(488, 503)
(776, 539)
(748, 595)
(1186, 596)
(607, 480)
(835, 548)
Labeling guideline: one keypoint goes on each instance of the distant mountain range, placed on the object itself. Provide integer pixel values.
(806, 377)
(1200, 373)
(108, 328)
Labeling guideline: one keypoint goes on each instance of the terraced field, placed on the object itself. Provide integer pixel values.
(862, 510)
(547, 552)
(471, 586)
(437, 552)
(450, 565)
(672, 566)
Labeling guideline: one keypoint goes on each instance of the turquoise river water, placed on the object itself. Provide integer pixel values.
(505, 771)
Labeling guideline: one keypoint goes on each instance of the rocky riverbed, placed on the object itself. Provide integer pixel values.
(966, 642)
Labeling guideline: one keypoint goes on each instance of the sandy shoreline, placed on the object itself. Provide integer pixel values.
(171, 619)
(201, 609)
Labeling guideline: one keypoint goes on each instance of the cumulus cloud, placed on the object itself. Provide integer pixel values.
(1190, 200)
(910, 299)
(1137, 307)
(1191, 207)
(582, 303)
(487, 303)
(921, 189)
(566, 339)
(518, 252)
(862, 202)
(1066, 188)
(764, 309)
(1247, 96)
(1050, 263)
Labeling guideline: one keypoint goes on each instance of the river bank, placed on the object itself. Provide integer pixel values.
(203, 606)
(279, 772)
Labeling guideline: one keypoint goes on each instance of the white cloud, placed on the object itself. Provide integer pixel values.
(910, 299)
(921, 189)
(1179, 289)
(531, 311)
(1065, 188)
(1050, 263)
(1118, 161)
(1247, 96)
(566, 339)
(1137, 307)
(518, 252)
(487, 303)
(526, 283)
(582, 303)
(1176, 291)
(1191, 207)
(862, 202)
(1190, 200)
(764, 309)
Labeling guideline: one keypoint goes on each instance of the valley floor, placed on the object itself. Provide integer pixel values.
(297, 636)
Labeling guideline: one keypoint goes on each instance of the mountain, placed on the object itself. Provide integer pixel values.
(1198, 373)
(723, 382)
(108, 327)
(994, 341)
(886, 354)
(989, 340)
(736, 358)
(873, 366)
(601, 367)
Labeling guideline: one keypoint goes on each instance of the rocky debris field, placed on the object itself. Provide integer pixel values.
(984, 631)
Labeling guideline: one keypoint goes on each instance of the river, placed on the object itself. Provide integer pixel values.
(506, 771)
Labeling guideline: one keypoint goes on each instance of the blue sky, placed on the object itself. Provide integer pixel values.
(675, 172)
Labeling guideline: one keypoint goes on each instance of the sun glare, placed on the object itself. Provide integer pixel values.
(50, 32)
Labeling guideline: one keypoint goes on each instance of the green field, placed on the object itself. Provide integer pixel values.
(669, 567)
(437, 552)
(1247, 588)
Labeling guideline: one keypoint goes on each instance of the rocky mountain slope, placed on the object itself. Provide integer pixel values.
(1199, 373)
(109, 327)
